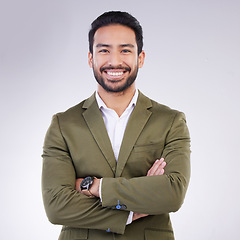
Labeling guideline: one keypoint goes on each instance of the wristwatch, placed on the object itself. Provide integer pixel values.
(86, 185)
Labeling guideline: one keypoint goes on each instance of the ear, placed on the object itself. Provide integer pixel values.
(90, 60)
(141, 59)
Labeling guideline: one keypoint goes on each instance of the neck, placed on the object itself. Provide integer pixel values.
(117, 101)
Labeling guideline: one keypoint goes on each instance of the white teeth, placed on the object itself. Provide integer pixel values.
(115, 73)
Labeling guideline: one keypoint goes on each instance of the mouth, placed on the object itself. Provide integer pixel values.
(115, 74)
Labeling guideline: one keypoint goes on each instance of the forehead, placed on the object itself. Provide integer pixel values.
(115, 35)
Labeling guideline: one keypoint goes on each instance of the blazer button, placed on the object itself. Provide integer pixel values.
(124, 207)
(118, 206)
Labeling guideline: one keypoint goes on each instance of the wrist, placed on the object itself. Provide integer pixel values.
(138, 215)
(95, 187)
(89, 186)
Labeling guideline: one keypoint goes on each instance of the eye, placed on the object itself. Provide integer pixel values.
(103, 51)
(126, 51)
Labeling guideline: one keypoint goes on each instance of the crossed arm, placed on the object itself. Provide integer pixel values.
(156, 169)
(65, 206)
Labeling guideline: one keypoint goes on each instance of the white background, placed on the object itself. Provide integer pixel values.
(192, 64)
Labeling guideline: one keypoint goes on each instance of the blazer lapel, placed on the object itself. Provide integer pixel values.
(136, 123)
(94, 120)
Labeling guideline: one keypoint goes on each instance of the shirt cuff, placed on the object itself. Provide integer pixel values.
(130, 217)
(100, 189)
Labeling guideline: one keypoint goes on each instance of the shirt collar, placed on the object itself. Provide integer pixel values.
(101, 104)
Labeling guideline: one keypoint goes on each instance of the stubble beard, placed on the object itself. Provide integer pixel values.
(130, 80)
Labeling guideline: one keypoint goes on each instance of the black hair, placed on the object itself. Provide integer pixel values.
(116, 17)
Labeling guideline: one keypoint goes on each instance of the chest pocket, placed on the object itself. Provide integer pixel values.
(143, 157)
(148, 147)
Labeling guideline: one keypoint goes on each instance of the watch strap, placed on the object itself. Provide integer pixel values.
(87, 193)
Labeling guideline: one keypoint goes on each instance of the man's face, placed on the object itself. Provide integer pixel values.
(115, 60)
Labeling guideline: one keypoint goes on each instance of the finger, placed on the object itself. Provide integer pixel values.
(155, 166)
(160, 170)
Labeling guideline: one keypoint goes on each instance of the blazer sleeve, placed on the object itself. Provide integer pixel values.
(156, 194)
(63, 204)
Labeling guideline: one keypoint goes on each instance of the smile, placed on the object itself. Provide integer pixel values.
(114, 73)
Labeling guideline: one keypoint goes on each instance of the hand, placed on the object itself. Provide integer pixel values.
(138, 215)
(94, 189)
(157, 168)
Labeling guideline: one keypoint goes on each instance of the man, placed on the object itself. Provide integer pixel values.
(116, 165)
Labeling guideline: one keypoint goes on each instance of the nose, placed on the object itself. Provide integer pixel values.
(115, 59)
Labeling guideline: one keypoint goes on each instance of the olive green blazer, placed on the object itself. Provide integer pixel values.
(77, 145)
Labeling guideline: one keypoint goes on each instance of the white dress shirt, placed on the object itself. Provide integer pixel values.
(116, 126)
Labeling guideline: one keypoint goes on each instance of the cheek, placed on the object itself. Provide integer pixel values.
(133, 62)
(98, 62)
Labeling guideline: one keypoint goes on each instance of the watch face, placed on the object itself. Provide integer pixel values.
(86, 183)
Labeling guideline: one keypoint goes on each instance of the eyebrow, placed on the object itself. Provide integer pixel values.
(109, 46)
(102, 45)
(127, 45)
